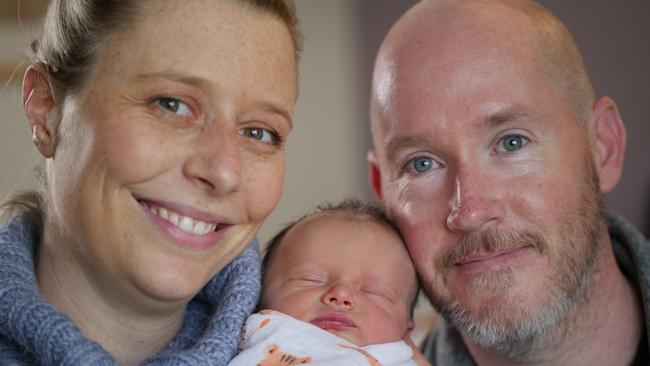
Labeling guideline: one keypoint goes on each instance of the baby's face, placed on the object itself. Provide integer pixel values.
(350, 277)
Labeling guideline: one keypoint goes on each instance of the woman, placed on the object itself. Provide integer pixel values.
(162, 126)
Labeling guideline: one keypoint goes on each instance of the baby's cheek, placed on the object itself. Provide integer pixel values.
(295, 305)
(385, 325)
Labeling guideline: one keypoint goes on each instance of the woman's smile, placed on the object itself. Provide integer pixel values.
(186, 225)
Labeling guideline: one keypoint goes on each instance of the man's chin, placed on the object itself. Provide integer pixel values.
(494, 288)
(506, 318)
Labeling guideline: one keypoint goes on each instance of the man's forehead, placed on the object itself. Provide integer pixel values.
(445, 23)
(418, 52)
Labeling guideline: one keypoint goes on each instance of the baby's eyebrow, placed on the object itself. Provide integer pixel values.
(380, 284)
(305, 268)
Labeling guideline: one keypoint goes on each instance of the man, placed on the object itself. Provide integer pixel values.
(492, 154)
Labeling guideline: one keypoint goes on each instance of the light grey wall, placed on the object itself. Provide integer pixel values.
(324, 159)
(17, 157)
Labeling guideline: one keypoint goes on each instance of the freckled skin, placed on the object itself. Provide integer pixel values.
(226, 63)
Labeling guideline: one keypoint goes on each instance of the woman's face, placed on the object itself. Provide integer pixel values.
(171, 157)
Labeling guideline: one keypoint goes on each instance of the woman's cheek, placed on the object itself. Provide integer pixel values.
(264, 182)
(136, 154)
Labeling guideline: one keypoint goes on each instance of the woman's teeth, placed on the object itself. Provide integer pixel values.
(185, 223)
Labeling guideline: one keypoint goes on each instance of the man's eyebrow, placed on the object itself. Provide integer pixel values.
(507, 115)
(399, 142)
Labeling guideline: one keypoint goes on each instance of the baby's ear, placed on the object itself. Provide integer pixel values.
(409, 327)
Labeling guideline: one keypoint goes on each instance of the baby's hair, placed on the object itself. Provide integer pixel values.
(351, 208)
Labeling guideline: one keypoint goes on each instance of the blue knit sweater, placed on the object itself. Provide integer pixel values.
(33, 332)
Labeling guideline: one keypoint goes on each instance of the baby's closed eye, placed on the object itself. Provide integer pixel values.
(310, 280)
(377, 292)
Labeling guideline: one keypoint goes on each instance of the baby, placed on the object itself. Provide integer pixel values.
(342, 290)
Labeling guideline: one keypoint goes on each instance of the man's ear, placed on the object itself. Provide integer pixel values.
(39, 105)
(374, 174)
(608, 139)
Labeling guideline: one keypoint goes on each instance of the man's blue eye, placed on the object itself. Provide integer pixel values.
(421, 165)
(512, 142)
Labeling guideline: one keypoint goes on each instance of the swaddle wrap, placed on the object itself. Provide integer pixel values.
(274, 338)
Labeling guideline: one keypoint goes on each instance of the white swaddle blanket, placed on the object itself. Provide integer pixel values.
(274, 338)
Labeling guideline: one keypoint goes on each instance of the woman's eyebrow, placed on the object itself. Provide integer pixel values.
(176, 76)
(271, 107)
(266, 106)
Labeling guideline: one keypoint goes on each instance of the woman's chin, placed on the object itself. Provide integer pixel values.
(178, 278)
(171, 284)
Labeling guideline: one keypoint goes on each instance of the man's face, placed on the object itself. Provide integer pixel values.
(490, 178)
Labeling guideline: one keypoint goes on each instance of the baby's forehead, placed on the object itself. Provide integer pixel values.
(354, 224)
(316, 238)
(328, 227)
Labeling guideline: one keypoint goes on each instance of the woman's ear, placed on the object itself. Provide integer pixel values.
(40, 108)
(608, 138)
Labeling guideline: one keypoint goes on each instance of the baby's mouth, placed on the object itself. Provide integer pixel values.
(333, 321)
(184, 223)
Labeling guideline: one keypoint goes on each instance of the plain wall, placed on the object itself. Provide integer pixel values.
(17, 155)
(324, 161)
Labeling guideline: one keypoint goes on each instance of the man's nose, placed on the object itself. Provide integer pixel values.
(339, 294)
(476, 203)
(215, 163)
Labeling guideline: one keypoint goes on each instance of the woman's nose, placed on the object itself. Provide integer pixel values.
(215, 164)
(476, 204)
(339, 295)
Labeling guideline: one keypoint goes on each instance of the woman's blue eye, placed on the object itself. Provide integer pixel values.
(512, 143)
(421, 165)
(260, 134)
(173, 105)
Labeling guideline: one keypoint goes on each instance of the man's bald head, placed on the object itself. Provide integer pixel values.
(435, 32)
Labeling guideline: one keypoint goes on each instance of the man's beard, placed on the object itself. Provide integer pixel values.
(515, 330)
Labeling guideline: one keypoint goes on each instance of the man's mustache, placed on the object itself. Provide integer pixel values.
(490, 242)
